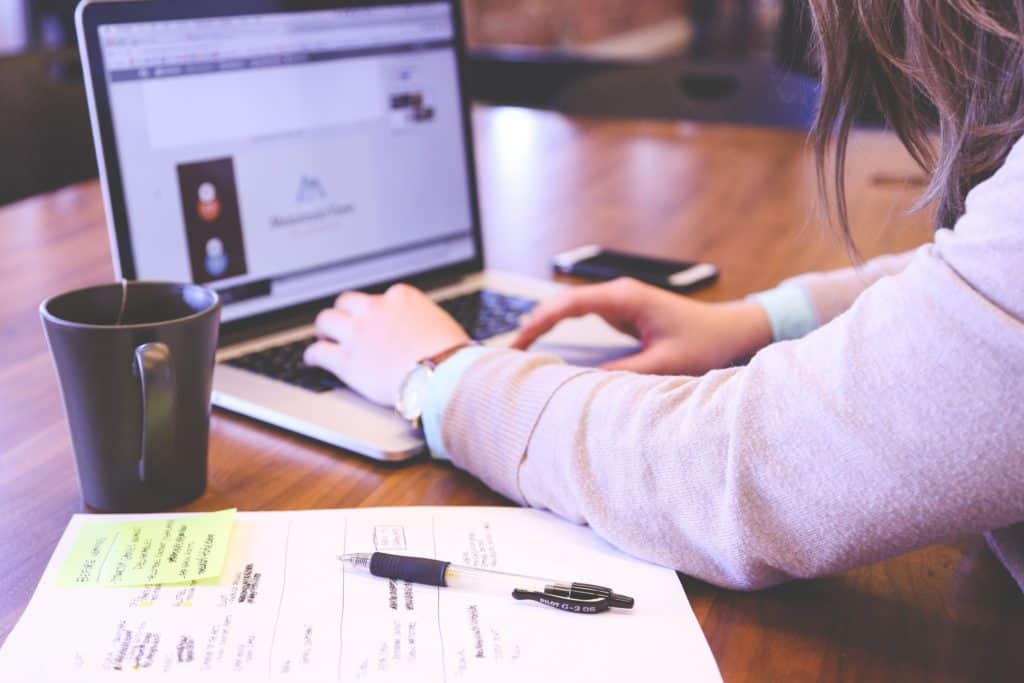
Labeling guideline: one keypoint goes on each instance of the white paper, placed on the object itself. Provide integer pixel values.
(285, 609)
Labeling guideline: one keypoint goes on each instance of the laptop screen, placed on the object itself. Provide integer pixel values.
(283, 157)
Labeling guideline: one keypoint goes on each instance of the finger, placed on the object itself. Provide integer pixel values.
(572, 303)
(327, 355)
(353, 303)
(334, 324)
(568, 304)
(401, 290)
(647, 362)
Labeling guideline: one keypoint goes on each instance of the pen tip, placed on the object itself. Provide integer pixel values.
(355, 560)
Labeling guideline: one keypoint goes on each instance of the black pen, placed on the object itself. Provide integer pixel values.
(582, 598)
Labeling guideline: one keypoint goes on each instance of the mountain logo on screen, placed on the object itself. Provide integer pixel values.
(317, 206)
(311, 189)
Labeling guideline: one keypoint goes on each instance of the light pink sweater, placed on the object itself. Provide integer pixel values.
(898, 423)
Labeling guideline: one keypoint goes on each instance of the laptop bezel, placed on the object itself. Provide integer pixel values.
(93, 13)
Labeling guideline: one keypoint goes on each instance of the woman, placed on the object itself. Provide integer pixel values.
(882, 408)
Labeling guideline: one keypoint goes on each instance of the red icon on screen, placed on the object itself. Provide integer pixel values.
(208, 206)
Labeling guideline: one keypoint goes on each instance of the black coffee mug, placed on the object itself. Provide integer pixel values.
(135, 366)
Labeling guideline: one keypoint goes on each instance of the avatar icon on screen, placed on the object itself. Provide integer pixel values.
(213, 224)
(208, 204)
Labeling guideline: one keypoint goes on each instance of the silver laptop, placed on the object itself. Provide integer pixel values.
(281, 152)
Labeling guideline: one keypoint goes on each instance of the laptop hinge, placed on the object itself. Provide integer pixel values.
(270, 323)
(436, 281)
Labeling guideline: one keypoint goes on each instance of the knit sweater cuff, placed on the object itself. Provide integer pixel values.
(487, 431)
(446, 377)
(790, 311)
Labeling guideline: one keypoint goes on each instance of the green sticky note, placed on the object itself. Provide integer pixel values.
(149, 551)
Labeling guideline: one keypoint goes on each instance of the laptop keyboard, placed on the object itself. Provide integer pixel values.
(482, 314)
(487, 314)
(285, 363)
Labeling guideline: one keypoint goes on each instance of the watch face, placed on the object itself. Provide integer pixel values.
(413, 393)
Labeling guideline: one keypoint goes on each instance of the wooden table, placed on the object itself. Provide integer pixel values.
(742, 198)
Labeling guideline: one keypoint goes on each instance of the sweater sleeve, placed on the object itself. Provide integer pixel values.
(803, 303)
(895, 425)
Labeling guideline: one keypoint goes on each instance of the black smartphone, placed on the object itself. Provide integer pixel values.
(596, 263)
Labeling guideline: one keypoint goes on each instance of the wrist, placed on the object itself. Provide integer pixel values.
(750, 327)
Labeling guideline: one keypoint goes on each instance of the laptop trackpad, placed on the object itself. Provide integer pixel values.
(587, 341)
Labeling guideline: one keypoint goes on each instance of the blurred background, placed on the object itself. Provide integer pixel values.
(741, 61)
(627, 29)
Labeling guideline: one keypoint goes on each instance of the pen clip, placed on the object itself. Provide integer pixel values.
(564, 602)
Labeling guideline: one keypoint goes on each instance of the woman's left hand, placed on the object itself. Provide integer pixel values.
(372, 342)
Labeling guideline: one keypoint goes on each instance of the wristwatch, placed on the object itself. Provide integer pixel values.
(412, 393)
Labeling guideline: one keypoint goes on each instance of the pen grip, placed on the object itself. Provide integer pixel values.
(411, 569)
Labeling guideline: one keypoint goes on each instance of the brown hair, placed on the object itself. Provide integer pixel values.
(947, 75)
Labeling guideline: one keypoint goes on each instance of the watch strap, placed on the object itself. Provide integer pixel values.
(433, 361)
(429, 364)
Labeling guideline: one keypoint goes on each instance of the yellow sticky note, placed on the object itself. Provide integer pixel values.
(149, 551)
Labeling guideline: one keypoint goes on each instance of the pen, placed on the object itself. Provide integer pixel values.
(582, 598)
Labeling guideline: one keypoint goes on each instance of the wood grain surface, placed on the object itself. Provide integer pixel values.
(742, 198)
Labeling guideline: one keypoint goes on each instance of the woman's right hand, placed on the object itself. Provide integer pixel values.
(680, 336)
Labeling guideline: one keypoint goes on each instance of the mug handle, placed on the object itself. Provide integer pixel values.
(156, 376)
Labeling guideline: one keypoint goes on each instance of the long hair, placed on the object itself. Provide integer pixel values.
(947, 76)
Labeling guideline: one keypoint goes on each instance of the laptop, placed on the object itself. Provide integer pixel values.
(281, 152)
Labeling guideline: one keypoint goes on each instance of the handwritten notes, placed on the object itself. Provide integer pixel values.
(149, 551)
(285, 609)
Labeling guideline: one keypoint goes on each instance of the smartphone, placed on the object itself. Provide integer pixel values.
(596, 263)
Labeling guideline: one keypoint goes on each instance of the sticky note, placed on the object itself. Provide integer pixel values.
(149, 551)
